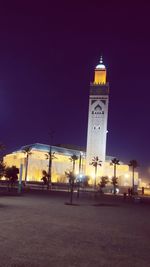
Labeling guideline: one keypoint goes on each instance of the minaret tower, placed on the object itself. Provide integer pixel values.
(97, 117)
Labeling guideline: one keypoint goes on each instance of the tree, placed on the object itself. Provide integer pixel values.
(71, 177)
(27, 151)
(134, 164)
(80, 162)
(115, 162)
(95, 163)
(2, 169)
(114, 181)
(103, 181)
(2, 165)
(11, 173)
(73, 159)
(50, 156)
(2, 147)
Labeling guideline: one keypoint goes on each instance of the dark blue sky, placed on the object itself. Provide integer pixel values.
(47, 57)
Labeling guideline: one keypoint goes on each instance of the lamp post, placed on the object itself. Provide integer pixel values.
(50, 156)
(134, 164)
(49, 167)
(80, 162)
(20, 179)
(27, 152)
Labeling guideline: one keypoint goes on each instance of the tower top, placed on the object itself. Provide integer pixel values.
(100, 66)
(100, 73)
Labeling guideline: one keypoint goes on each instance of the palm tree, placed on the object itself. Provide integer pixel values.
(73, 159)
(2, 168)
(50, 156)
(115, 162)
(95, 163)
(27, 151)
(134, 164)
(71, 176)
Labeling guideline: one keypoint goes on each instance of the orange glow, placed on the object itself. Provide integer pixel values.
(100, 76)
(38, 162)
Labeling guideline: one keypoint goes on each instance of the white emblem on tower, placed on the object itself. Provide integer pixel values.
(97, 117)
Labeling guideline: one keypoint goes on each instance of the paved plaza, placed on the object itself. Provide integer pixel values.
(39, 230)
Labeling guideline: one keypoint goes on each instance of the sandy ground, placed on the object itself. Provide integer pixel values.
(40, 230)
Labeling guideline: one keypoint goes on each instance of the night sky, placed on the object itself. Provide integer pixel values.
(48, 52)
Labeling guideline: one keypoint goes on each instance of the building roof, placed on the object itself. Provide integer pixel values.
(56, 149)
(100, 67)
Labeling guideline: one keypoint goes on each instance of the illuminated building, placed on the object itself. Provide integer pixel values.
(96, 145)
(97, 117)
(38, 161)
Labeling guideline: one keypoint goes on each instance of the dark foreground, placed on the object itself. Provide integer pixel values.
(38, 229)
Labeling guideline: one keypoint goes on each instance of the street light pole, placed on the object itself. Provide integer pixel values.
(50, 161)
(49, 167)
(133, 179)
(80, 162)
